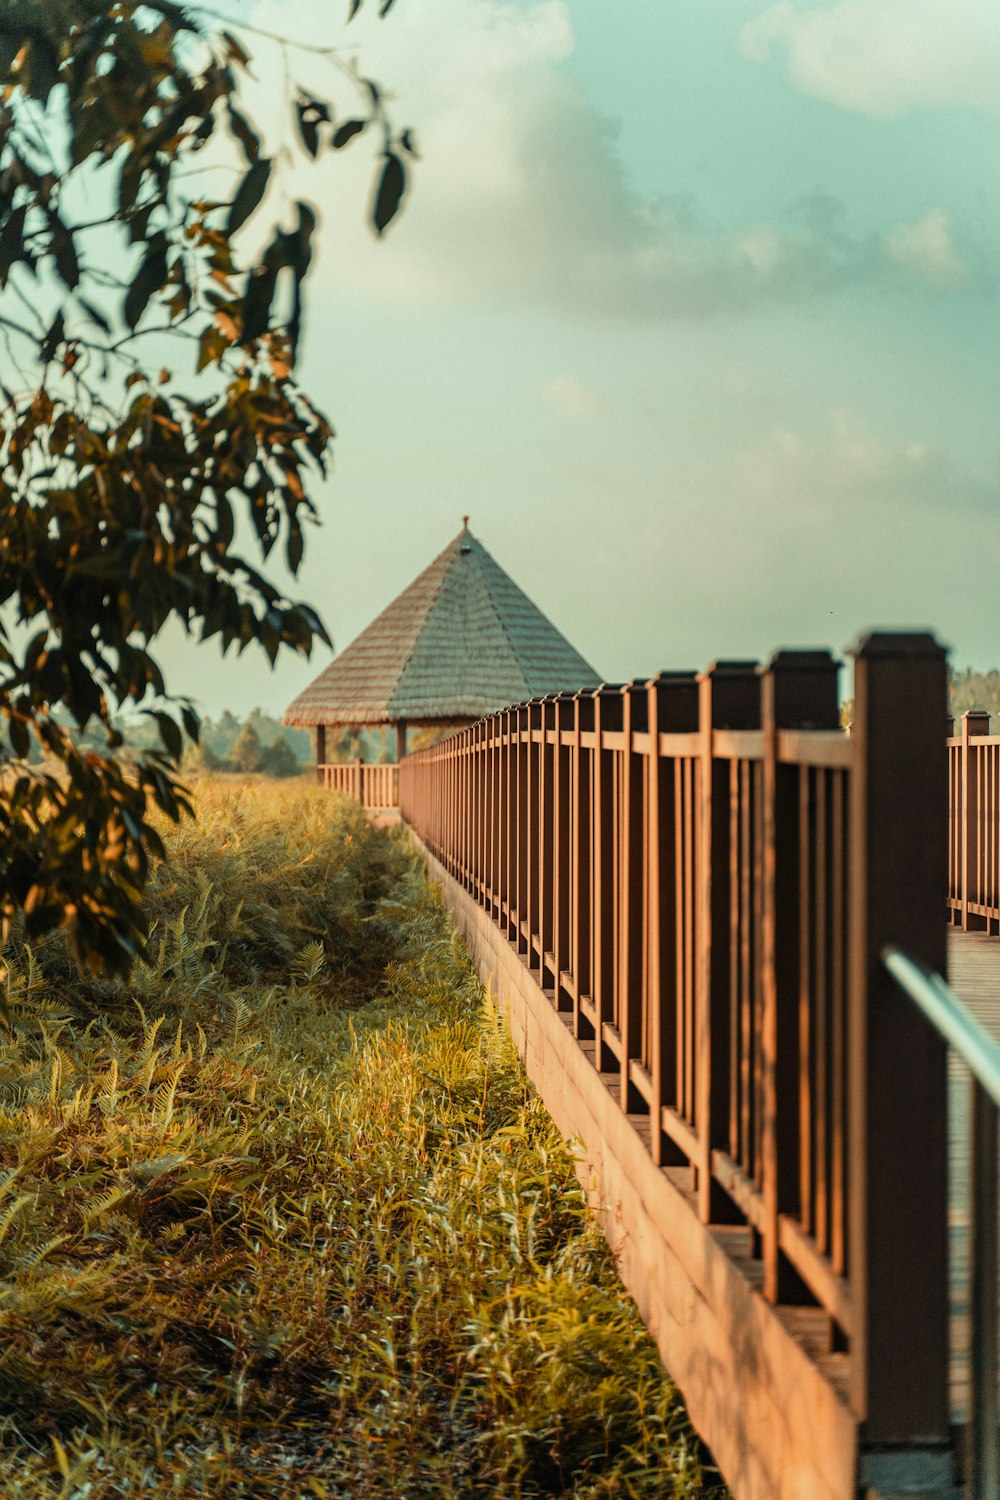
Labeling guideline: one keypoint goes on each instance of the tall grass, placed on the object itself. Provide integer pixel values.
(281, 1217)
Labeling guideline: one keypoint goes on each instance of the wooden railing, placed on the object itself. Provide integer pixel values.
(701, 873)
(376, 787)
(974, 824)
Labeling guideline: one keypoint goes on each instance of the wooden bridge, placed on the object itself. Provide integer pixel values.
(684, 893)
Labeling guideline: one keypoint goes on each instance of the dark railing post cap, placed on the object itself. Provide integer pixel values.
(814, 660)
(730, 668)
(898, 643)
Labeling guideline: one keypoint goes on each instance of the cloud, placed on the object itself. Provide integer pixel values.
(927, 249)
(521, 197)
(885, 57)
(841, 468)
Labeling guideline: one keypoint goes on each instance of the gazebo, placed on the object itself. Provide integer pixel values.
(460, 642)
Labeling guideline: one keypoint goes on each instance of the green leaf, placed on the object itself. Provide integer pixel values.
(12, 241)
(257, 302)
(149, 278)
(64, 251)
(389, 193)
(309, 114)
(346, 133)
(244, 132)
(248, 195)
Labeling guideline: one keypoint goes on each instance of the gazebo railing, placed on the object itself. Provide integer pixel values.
(376, 787)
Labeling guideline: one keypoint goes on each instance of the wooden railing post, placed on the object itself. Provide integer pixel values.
(631, 916)
(583, 724)
(522, 751)
(546, 840)
(672, 709)
(563, 833)
(534, 832)
(607, 719)
(508, 827)
(974, 723)
(798, 691)
(898, 1103)
(729, 699)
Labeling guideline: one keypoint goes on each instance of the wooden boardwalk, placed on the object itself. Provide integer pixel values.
(974, 975)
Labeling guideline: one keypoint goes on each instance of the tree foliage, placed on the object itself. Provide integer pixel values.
(155, 445)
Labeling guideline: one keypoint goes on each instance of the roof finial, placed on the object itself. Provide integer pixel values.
(465, 523)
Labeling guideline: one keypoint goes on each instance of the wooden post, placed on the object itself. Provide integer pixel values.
(320, 753)
(672, 709)
(522, 752)
(607, 719)
(400, 740)
(974, 723)
(563, 831)
(632, 918)
(534, 832)
(582, 881)
(798, 691)
(729, 699)
(898, 1102)
(547, 720)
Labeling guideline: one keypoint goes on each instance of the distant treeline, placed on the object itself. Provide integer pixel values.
(258, 743)
(971, 689)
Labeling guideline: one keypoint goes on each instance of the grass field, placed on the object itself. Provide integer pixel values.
(281, 1217)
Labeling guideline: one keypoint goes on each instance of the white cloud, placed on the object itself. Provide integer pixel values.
(840, 466)
(521, 199)
(885, 57)
(927, 249)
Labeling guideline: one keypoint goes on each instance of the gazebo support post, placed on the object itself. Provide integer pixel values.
(320, 751)
(400, 740)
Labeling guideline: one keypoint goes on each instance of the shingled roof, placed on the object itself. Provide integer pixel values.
(460, 642)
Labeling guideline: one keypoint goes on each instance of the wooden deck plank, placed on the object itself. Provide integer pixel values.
(974, 975)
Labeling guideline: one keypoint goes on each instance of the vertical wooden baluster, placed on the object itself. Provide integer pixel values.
(583, 723)
(546, 843)
(523, 834)
(562, 798)
(805, 967)
(897, 1260)
(672, 709)
(798, 691)
(757, 975)
(734, 1009)
(607, 719)
(503, 825)
(974, 723)
(730, 699)
(534, 831)
(741, 981)
(838, 1146)
(635, 708)
(820, 1022)
(687, 1049)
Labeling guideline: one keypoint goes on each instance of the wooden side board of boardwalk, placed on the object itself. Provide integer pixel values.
(682, 892)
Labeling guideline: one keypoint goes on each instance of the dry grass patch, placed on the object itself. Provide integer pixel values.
(281, 1217)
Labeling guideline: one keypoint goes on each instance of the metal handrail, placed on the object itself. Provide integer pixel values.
(947, 1014)
(981, 1055)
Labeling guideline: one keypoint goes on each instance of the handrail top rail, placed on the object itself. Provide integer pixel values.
(948, 1016)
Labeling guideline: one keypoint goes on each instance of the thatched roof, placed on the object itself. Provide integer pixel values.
(460, 642)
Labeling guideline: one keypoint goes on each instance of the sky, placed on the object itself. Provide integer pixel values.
(693, 309)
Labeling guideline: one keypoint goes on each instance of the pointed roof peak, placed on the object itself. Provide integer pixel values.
(461, 641)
